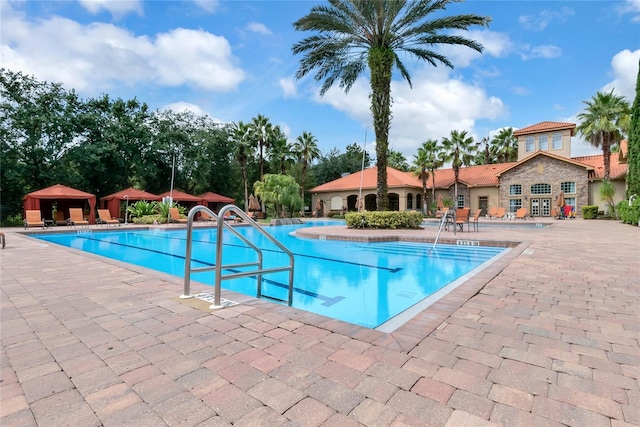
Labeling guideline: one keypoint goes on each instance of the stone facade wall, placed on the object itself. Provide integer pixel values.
(543, 169)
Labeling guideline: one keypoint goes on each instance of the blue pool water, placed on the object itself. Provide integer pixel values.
(361, 283)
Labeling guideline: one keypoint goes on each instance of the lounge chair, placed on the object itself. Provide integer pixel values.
(475, 220)
(104, 217)
(33, 219)
(60, 219)
(76, 217)
(500, 213)
(204, 216)
(521, 214)
(492, 212)
(174, 216)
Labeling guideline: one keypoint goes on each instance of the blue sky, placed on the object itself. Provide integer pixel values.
(232, 60)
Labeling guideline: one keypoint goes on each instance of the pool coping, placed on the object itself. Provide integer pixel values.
(403, 338)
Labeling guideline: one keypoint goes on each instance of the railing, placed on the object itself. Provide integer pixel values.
(218, 267)
(445, 217)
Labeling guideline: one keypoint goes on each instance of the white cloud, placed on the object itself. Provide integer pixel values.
(207, 5)
(258, 28)
(495, 44)
(540, 21)
(436, 105)
(288, 86)
(93, 58)
(625, 71)
(520, 90)
(542, 51)
(117, 8)
(181, 107)
(631, 7)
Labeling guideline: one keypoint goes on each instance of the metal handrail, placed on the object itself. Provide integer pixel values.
(442, 223)
(218, 267)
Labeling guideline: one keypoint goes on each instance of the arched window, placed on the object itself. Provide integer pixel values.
(541, 188)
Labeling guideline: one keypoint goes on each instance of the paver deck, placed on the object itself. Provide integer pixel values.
(546, 336)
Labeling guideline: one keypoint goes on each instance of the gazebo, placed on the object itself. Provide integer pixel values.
(188, 200)
(64, 198)
(213, 200)
(113, 202)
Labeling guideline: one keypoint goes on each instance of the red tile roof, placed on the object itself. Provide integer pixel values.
(616, 168)
(545, 127)
(369, 180)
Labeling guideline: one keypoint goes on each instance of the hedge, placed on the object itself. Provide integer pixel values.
(384, 220)
(629, 214)
(590, 212)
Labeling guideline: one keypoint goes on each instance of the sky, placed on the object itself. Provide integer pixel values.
(232, 60)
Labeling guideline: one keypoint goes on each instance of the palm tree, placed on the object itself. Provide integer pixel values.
(505, 146)
(306, 148)
(433, 162)
(397, 160)
(459, 150)
(281, 151)
(604, 122)
(352, 35)
(240, 135)
(420, 166)
(262, 133)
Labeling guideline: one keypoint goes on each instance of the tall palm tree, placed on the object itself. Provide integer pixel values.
(434, 161)
(397, 160)
(420, 166)
(241, 137)
(281, 151)
(505, 146)
(458, 149)
(306, 148)
(262, 134)
(352, 35)
(604, 122)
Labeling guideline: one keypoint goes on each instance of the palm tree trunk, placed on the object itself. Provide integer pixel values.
(606, 154)
(424, 194)
(380, 63)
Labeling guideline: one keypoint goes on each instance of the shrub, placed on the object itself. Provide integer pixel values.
(629, 214)
(384, 220)
(589, 212)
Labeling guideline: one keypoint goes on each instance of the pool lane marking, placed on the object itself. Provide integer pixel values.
(389, 269)
(327, 301)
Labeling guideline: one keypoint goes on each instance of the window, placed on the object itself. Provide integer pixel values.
(568, 187)
(515, 189)
(409, 201)
(556, 142)
(543, 143)
(529, 144)
(541, 189)
(514, 205)
(460, 203)
(571, 201)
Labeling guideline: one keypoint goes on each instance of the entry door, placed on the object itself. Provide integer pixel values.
(483, 203)
(546, 207)
(535, 207)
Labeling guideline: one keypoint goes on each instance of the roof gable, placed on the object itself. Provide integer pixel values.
(547, 154)
(545, 127)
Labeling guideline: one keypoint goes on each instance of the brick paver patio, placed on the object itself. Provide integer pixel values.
(547, 336)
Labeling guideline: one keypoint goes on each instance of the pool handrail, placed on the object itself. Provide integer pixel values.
(447, 213)
(221, 226)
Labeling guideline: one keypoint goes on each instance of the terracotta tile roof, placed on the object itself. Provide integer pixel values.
(545, 127)
(617, 169)
(369, 177)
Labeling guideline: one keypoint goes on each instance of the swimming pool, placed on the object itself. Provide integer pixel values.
(361, 283)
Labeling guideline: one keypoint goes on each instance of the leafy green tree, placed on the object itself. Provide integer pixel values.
(607, 191)
(333, 165)
(458, 149)
(505, 146)
(306, 149)
(633, 144)
(604, 122)
(281, 191)
(353, 35)
(398, 161)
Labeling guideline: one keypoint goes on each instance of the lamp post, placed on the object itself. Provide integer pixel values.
(364, 152)
(126, 208)
(173, 168)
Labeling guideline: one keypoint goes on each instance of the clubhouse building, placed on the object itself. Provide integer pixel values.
(544, 169)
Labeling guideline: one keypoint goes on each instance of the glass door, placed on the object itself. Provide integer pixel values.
(546, 207)
(535, 207)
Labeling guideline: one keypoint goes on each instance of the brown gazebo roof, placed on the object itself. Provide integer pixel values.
(212, 197)
(132, 194)
(179, 196)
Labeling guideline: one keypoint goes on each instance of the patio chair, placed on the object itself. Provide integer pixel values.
(500, 213)
(493, 211)
(475, 220)
(104, 217)
(521, 213)
(462, 218)
(76, 217)
(204, 216)
(33, 219)
(174, 216)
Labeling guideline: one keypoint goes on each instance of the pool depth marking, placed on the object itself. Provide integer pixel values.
(327, 301)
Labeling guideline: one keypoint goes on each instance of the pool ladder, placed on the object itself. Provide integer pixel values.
(218, 267)
(447, 214)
